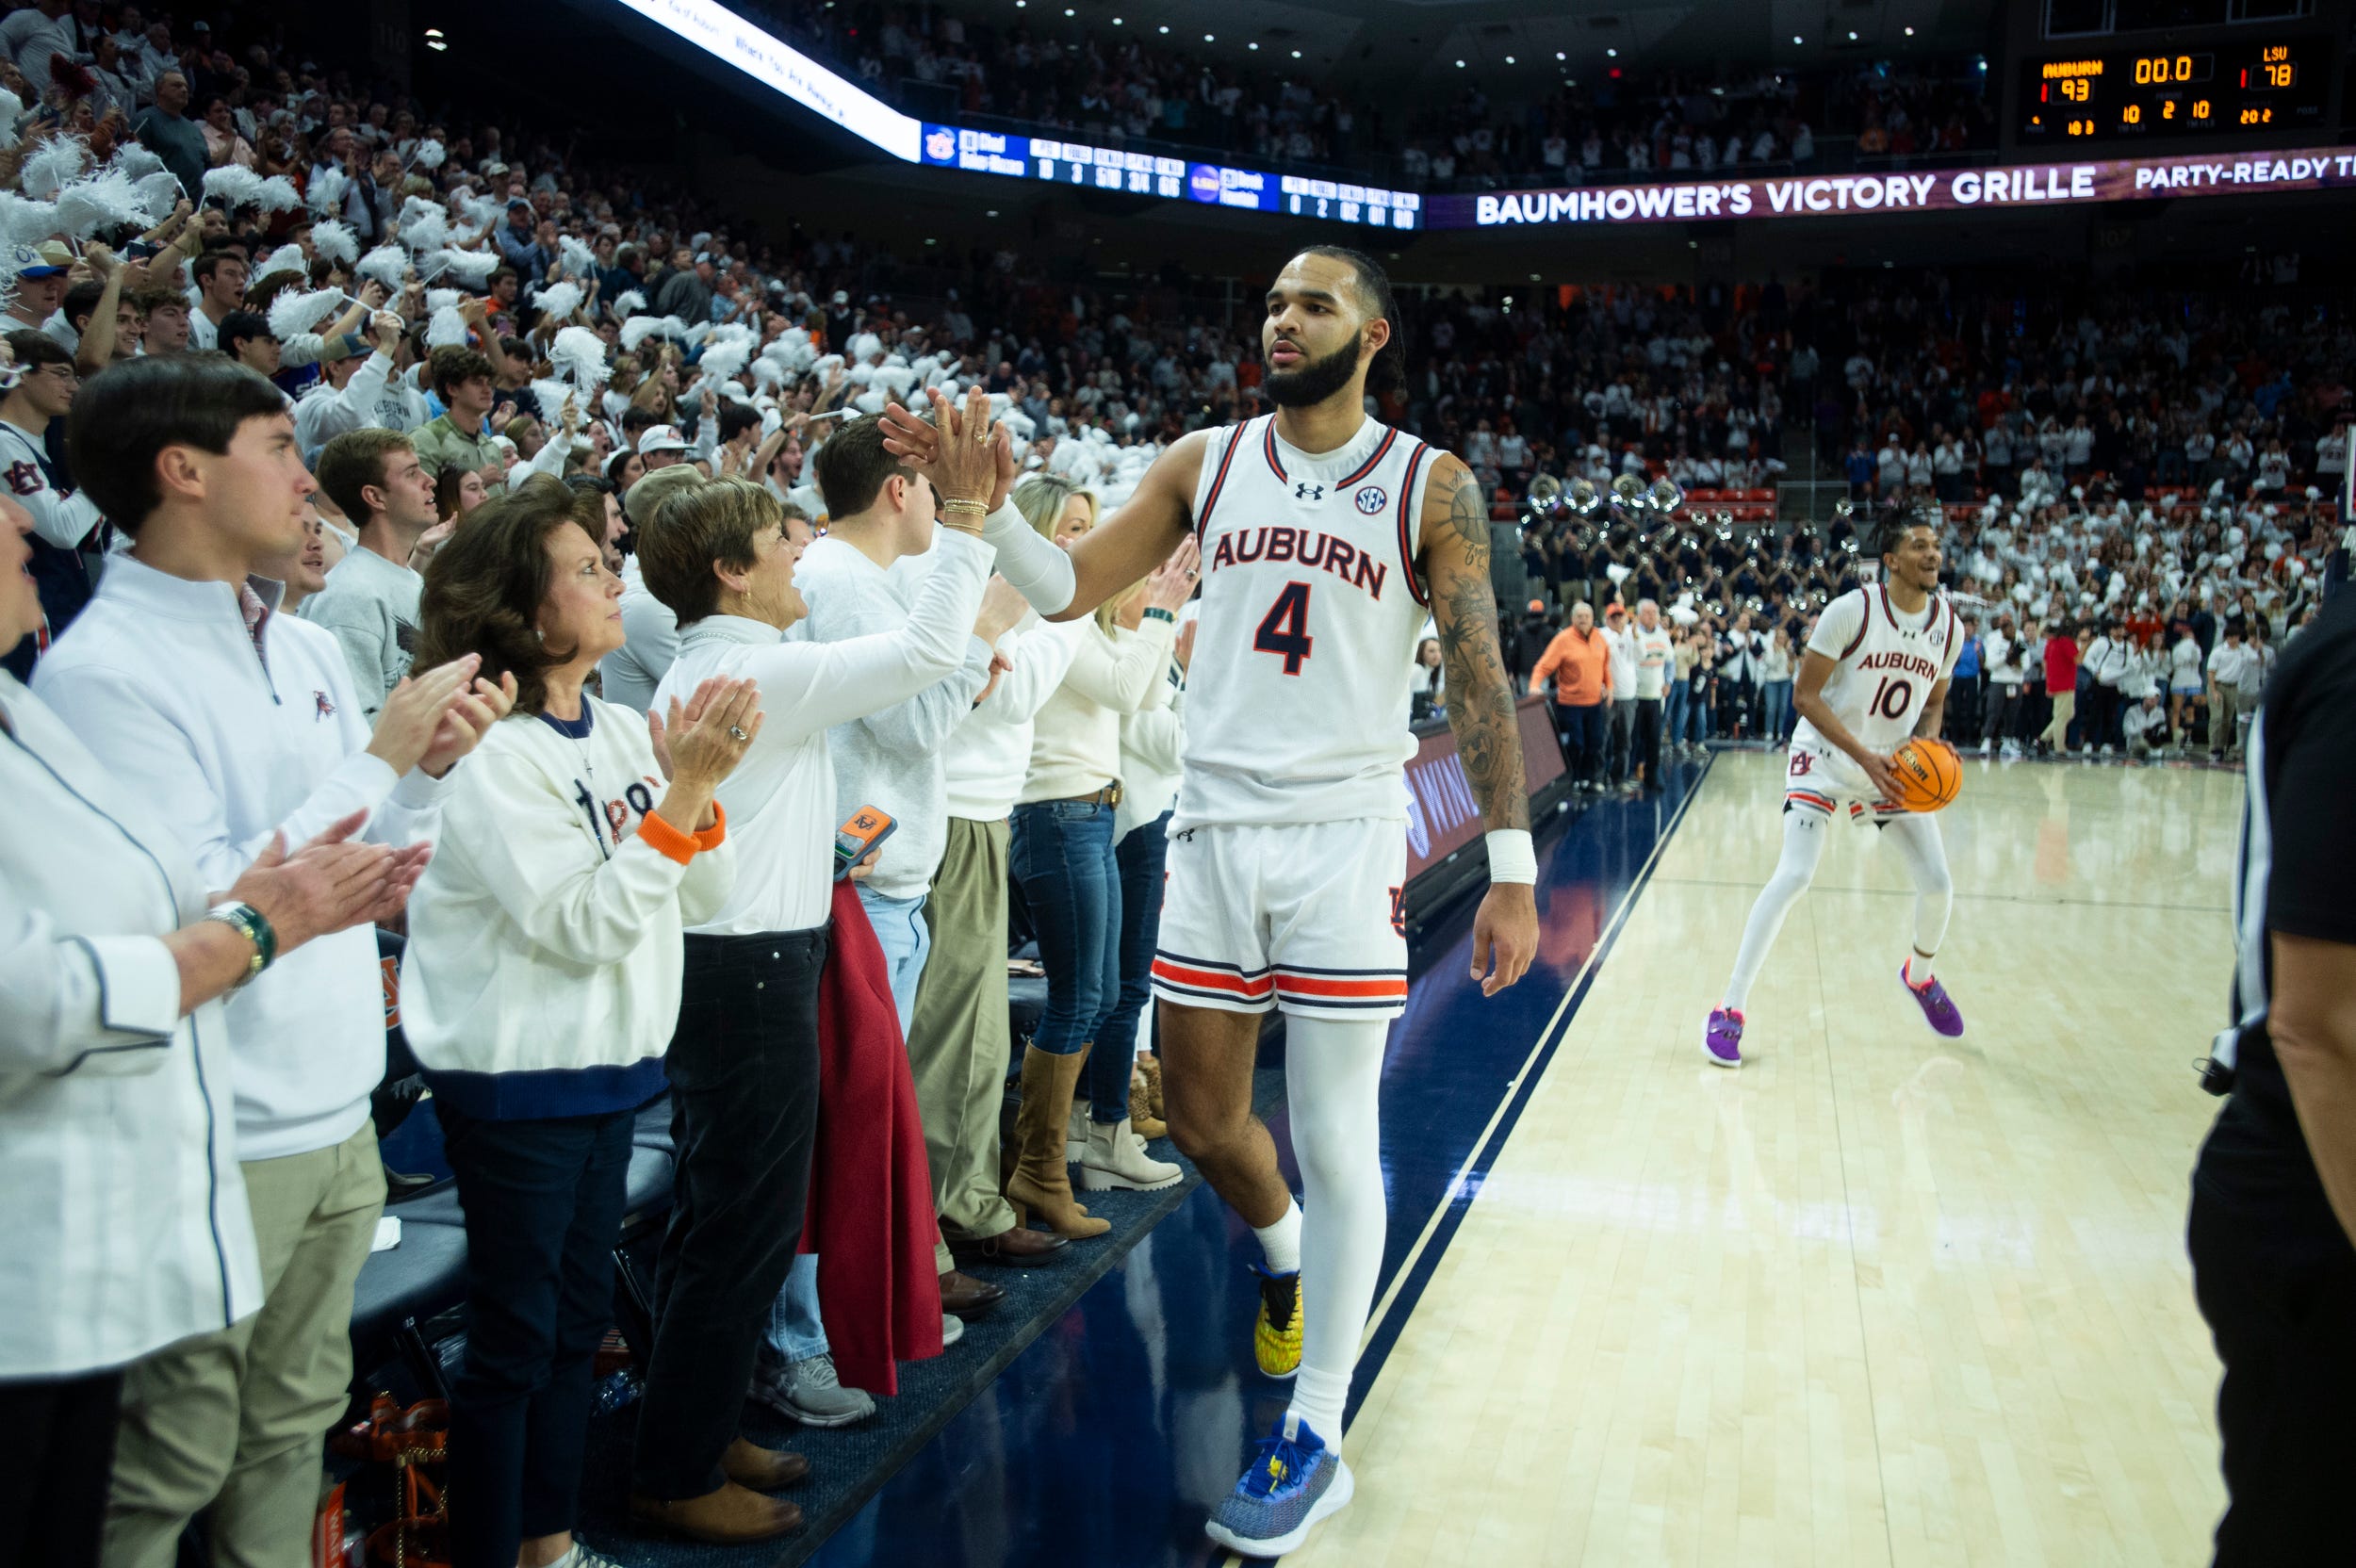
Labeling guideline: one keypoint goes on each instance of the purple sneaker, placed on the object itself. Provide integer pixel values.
(1939, 1011)
(1723, 1042)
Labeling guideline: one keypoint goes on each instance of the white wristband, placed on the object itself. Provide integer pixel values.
(1036, 568)
(1512, 856)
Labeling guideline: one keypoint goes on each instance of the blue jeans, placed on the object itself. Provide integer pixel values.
(1142, 856)
(1062, 855)
(905, 941)
(1673, 713)
(1779, 694)
(795, 1327)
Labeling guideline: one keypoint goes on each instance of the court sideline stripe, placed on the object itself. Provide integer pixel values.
(1405, 1288)
(1423, 1258)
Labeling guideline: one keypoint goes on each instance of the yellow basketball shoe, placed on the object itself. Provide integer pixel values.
(1276, 1333)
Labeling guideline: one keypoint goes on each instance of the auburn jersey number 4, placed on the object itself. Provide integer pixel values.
(1284, 630)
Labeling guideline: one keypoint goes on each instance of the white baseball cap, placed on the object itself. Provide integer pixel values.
(661, 439)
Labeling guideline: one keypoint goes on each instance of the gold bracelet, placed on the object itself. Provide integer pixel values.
(972, 530)
(965, 508)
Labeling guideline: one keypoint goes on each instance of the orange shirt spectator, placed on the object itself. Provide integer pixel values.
(1580, 659)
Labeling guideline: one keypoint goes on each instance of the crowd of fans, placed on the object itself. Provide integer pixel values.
(382, 482)
(1532, 125)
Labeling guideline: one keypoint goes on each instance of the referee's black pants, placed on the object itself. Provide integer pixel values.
(2280, 1310)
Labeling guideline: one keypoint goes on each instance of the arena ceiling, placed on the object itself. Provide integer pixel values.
(1511, 45)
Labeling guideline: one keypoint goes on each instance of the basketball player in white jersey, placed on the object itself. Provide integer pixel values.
(1326, 537)
(1874, 674)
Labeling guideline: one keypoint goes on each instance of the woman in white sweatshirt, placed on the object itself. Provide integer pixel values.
(541, 986)
(1062, 855)
(743, 1070)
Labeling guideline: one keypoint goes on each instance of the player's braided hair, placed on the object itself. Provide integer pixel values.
(1388, 371)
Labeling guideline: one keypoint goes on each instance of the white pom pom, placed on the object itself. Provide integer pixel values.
(446, 328)
(329, 186)
(579, 355)
(429, 155)
(1018, 424)
(721, 362)
(444, 299)
(768, 372)
(638, 329)
(575, 257)
(471, 268)
(827, 366)
(56, 161)
(629, 303)
(387, 263)
(870, 402)
(428, 230)
(551, 395)
(335, 241)
(298, 311)
(232, 185)
(277, 194)
(106, 200)
(286, 259)
(23, 222)
(159, 193)
(558, 301)
(11, 111)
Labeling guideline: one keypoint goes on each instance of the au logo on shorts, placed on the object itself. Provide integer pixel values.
(1372, 499)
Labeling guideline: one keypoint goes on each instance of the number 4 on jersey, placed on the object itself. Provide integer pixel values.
(1284, 630)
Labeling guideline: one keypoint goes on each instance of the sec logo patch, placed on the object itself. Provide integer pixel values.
(1372, 498)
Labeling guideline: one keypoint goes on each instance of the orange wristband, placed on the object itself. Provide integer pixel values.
(668, 841)
(717, 834)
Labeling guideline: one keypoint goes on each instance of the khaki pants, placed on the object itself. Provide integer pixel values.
(2056, 731)
(2225, 708)
(958, 1045)
(235, 1418)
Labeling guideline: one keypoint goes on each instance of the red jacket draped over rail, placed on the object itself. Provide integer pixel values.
(870, 1217)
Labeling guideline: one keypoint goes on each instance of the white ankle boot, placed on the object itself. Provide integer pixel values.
(1115, 1158)
(1075, 1133)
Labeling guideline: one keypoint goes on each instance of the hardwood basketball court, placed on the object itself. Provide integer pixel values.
(1876, 1297)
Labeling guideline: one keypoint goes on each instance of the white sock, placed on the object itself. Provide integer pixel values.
(1803, 848)
(1333, 1073)
(1280, 1243)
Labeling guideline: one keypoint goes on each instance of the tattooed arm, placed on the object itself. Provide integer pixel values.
(1454, 561)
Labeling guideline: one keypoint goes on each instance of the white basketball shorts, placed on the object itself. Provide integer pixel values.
(1822, 778)
(1307, 918)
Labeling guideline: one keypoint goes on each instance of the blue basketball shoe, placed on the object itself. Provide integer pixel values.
(1292, 1482)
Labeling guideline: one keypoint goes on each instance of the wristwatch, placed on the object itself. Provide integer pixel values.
(250, 923)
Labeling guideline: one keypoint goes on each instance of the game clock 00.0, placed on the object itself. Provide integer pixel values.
(2233, 89)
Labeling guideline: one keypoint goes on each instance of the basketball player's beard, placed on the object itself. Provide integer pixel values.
(1317, 380)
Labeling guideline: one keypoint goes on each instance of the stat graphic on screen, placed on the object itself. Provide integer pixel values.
(1094, 168)
(2228, 89)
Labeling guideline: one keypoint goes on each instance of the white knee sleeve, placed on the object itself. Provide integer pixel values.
(1333, 1079)
(1803, 848)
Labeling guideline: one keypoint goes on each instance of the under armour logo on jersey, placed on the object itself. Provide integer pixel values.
(1371, 499)
(24, 477)
(1304, 491)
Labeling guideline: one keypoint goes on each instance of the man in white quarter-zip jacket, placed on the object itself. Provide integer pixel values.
(234, 724)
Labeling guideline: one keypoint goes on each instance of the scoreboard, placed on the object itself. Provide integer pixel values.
(1071, 163)
(2231, 89)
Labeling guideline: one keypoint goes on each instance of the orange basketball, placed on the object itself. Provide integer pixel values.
(1929, 774)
